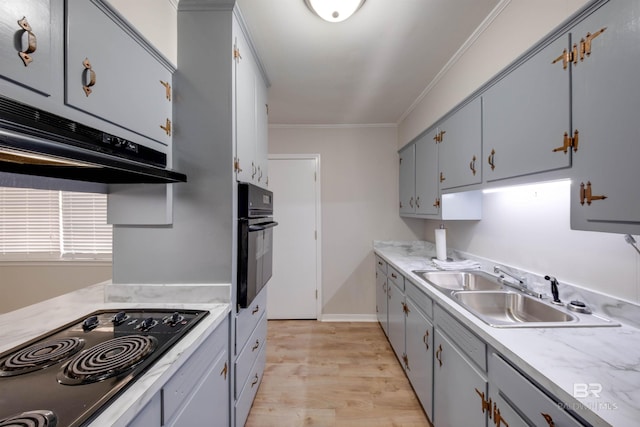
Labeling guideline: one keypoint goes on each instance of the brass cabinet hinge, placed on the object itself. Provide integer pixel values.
(579, 51)
(236, 54)
(438, 138)
(236, 165)
(586, 195)
(166, 127)
(568, 142)
(167, 89)
(436, 204)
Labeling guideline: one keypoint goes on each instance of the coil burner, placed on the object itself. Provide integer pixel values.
(31, 419)
(40, 356)
(108, 359)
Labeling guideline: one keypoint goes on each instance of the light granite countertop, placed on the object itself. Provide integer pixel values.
(29, 322)
(556, 358)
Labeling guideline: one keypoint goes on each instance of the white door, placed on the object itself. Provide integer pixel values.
(294, 286)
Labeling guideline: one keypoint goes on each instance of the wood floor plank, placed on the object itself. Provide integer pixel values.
(327, 374)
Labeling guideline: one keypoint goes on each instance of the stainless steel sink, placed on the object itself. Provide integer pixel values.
(504, 308)
(461, 280)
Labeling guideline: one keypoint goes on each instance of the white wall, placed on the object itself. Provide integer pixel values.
(519, 229)
(156, 21)
(359, 171)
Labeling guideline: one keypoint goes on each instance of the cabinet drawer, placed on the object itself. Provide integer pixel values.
(247, 319)
(244, 402)
(381, 264)
(395, 275)
(181, 384)
(420, 299)
(250, 353)
(525, 396)
(472, 346)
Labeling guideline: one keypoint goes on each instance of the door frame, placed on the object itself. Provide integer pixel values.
(318, 203)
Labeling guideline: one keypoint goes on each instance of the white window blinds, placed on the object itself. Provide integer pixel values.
(53, 224)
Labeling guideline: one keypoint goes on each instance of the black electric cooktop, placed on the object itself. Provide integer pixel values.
(66, 377)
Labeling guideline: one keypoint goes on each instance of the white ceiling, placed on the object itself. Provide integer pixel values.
(369, 69)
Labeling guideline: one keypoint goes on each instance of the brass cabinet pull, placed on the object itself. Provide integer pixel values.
(256, 345)
(442, 178)
(439, 354)
(88, 70)
(567, 56)
(389, 292)
(548, 419)
(32, 42)
(255, 310)
(255, 380)
(224, 371)
(405, 308)
(472, 165)
(425, 339)
(586, 194)
(394, 275)
(418, 202)
(166, 127)
(491, 159)
(167, 88)
(411, 201)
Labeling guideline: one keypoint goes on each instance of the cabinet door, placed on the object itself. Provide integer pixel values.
(209, 404)
(25, 43)
(606, 102)
(419, 346)
(456, 402)
(460, 150)
(396, 318)
(151, 414)
(525, 116)
(407, 179)
(426, 176)
(245, 102)
(504, 413)
(381, 300)
(111, 75)
(262, 128)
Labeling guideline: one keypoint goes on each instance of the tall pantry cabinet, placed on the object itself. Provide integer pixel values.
(221, 123)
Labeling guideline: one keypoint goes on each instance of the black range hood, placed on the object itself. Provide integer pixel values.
(35, 142)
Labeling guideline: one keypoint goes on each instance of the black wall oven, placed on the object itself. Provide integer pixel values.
(255, 241)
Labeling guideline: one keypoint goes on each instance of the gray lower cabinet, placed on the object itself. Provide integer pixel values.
(110, 74)
(250, 355)
(460, 147)
(460, 381)
(381, 300)
(606, 101)
(525, 116)
(198, 391)
(25, 43)
(516, 401)
(419, 346)
(396, 330)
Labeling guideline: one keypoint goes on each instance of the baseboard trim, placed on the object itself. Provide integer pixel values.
(348, 318)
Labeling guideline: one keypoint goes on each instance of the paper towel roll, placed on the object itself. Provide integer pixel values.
(441, 244)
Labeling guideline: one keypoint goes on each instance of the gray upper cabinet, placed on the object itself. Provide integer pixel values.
(606, 102)
(251, 112)
(25, 43)
(525, 116)
(110, 74)
(460, 147)
(419, 177)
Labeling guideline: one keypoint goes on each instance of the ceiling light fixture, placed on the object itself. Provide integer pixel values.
(334, 10)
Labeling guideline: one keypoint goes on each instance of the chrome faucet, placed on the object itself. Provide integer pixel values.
(522, 281)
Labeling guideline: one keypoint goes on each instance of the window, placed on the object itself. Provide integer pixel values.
(46, 225)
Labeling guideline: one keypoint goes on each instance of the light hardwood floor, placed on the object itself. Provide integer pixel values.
(332, 375)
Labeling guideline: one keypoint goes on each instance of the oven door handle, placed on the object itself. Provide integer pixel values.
(262, 226)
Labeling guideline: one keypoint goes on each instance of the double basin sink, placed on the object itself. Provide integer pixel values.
(486, 297)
